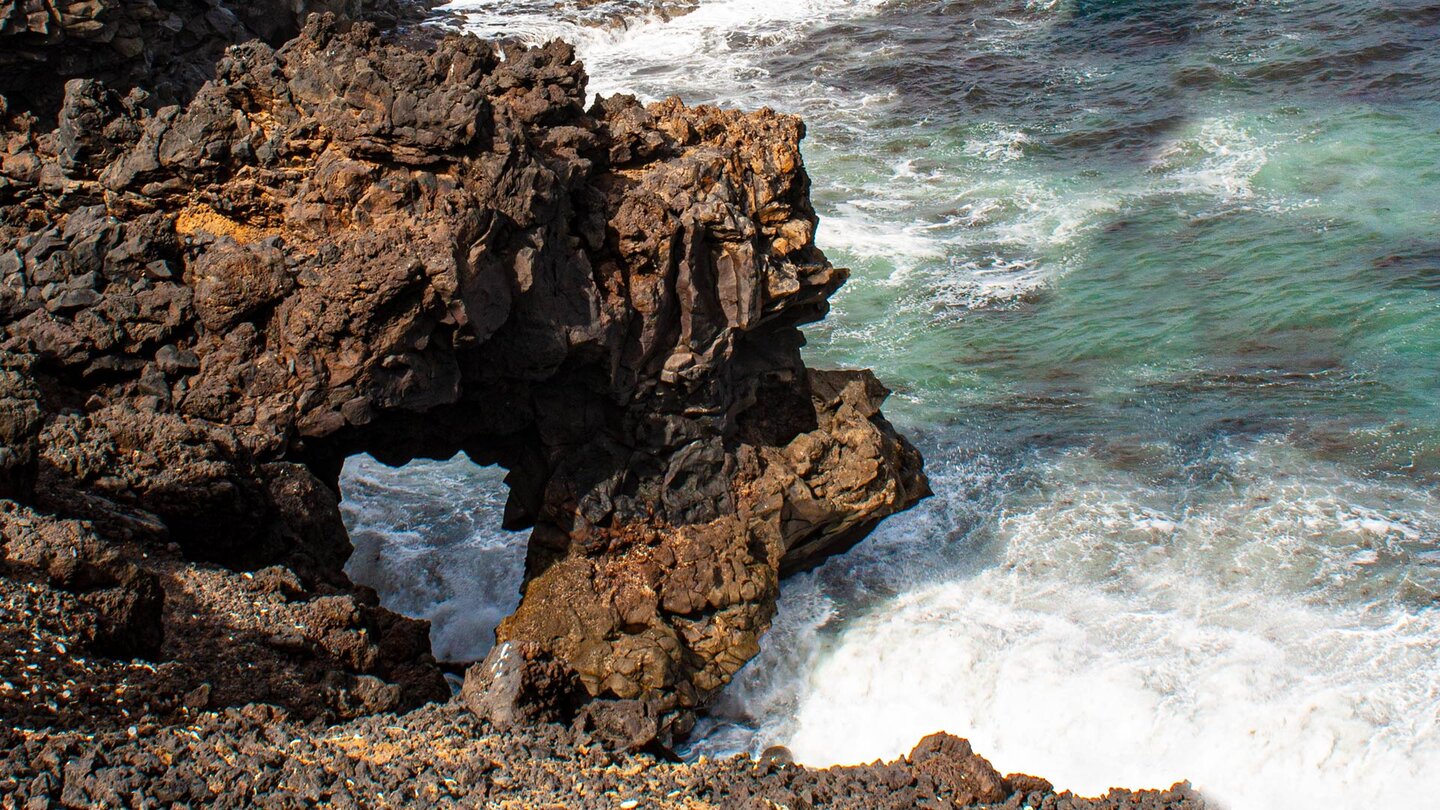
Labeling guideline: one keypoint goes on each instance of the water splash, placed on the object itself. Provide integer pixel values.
(427, 538)
(1138, 627)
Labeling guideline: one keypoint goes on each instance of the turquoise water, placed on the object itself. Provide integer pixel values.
(1157, 287)
(1272, 270)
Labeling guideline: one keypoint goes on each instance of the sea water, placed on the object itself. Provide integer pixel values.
(1157, 286)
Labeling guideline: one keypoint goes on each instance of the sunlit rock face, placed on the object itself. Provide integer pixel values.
(350, 246)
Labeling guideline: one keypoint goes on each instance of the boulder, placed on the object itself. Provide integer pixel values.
(969, 777)
(519, 684)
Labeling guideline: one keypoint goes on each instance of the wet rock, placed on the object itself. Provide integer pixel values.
(778, 754)
(520, 684)
(1025, 784)
(950, 762)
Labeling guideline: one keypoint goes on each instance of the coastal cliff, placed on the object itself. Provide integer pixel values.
(347, 246)
(212, 294)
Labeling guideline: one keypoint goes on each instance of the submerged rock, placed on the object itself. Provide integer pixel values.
(347, 245)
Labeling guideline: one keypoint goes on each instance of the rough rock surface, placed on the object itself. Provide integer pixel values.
(167, 753)
(91, 731)
(168, 46)
(350, 246)
(442, 756)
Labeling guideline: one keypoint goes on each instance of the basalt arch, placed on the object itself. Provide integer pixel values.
(348, 246)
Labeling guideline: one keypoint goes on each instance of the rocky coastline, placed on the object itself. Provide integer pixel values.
(241, 244)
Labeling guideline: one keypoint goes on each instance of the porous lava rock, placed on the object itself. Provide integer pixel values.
(441, 756)
(167, 46)
(950, 761)
(347, 245)
(92, 731)
(519, 684)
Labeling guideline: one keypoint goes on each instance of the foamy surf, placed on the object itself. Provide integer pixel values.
(653, 56)
(427, 538)
(1133, 633)
(1219, 159)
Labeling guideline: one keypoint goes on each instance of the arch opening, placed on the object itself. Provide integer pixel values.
(427, 537)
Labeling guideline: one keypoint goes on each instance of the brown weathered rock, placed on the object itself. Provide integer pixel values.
(19, 433)
(518, 684)
(969, 777)
(168, 46)
(624, 725)
(349, 246)
(123, 604)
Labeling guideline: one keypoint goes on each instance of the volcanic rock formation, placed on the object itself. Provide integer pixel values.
(350, 246)
(167, 46)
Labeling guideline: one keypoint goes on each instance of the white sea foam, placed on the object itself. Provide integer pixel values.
(987, 283)
(1049, 218)
(690, 54)
(427, 537)
(1134, 632)
(1219, 158)
(861, 232)
(1004, 145)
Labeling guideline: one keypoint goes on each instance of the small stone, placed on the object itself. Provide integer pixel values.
(198, 698)
(173, 360)
(778, 754)
(128, 47)
(71, 300)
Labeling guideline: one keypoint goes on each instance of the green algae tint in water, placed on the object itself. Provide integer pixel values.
(1188, 290)
(1274, 270)
(1157, 285)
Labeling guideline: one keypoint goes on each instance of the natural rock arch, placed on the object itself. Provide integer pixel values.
(346, 246)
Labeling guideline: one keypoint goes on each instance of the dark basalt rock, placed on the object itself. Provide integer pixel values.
(346, 245)
(167, 46)
(519, 684)
(441, 756)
